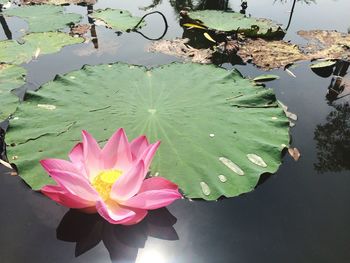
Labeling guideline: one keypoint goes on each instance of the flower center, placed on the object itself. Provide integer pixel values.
(104, 181)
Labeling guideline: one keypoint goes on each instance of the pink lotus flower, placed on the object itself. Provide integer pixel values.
(110, 181)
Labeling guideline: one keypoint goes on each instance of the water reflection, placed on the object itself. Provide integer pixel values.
(5, 27)
(94, 39)
(333, 141)
(122, 242)
(339, 86)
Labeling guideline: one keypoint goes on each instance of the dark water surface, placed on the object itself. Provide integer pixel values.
(301, 214)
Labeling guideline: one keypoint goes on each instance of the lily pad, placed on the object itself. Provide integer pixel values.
(44, 18)
(266, 77)
(219, 131)
(117, 18)
(50, 42)
(323, 64)
(11, 77)
(230, 21)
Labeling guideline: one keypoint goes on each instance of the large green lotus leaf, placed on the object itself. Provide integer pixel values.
(33, 44)
(117, 18)
(44, 18)
(219, 131)
(2, 2)
(11, 77)
(230, 21)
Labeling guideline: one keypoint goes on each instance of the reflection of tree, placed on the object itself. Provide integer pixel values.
(122, 242)
(333, 141)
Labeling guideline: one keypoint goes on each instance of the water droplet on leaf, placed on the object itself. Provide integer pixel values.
(205, 188)
(231, 165)
(256, 159)
(222, 178)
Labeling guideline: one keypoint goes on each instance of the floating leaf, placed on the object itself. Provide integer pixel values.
(11, 77)
(230, 21)
(162, 104)
(270, 54)
(267, 77)
(117, 18)
(44, 18)
(327, 44)
(50, 42)
(323, 64)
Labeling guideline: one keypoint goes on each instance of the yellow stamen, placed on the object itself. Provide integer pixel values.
(104, 181)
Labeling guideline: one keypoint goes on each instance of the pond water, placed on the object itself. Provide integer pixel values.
(300, 214)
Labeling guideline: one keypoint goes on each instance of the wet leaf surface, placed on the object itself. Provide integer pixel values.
(219, 125)
(50, 42)
(11, 77)
(44, 18)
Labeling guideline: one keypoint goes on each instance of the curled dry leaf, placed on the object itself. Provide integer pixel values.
(294, 152)
(179, 48)
(268, 55)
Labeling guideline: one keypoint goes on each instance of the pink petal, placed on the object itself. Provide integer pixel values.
(76, 155)
(74, 184)
(153, 199)
(114, 213)
(140, 214)
(58, 164)
(116, 153)
(92, 152)
(157, 183)
(148, 154)
(129, 183)
(59, 195)
(138, 146)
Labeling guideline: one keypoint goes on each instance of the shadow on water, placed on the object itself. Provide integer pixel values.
(122, 242)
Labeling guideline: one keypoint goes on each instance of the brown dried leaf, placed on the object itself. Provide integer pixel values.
(270, 54)
(80, 29)
(278, 54)
(294, 152)
(179, 48)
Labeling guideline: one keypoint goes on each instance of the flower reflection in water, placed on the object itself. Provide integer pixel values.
(122, 242)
